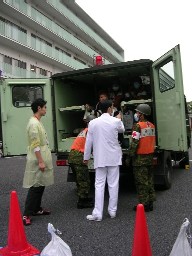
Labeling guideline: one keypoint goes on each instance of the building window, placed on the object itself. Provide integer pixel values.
(33, 68)
(2, 19)
(8, 60)
(40, 71)
(49, 73)
(61, 28)
(32, 35)
(41, 40)
(43, 72)
(23, 96)
(13, 29)
(20, 64)
(49, 44)
(63, 51)
(22, 30)
(79, 60)
(76, 36)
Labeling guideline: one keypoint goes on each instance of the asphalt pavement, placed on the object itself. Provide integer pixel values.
(110, 237)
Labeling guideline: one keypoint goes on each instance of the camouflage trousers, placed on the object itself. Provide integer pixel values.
(144, 183)
(81, 173)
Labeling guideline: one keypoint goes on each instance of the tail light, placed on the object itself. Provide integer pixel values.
(62, 162)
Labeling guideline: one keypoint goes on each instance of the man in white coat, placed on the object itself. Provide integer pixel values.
(102, 138)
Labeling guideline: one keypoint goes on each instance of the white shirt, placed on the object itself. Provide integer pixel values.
(102, 137)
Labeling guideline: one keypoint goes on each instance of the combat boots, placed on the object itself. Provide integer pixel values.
(84, 203)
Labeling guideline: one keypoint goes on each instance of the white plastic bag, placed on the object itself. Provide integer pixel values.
(182, 246)
(56, 247)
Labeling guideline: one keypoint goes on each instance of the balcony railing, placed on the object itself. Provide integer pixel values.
(52, 26)
(16, 72)
(18, 4)
(82, 26)
(14, 33)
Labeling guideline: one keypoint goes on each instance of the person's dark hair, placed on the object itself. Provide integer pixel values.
(102, 93)
(137, 79)
(104, 105)
(38, 103)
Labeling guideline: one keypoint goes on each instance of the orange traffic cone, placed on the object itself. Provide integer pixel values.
(141, 243)
(17, 242)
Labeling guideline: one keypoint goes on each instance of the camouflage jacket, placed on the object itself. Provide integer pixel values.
(139, 160)
(75, 157)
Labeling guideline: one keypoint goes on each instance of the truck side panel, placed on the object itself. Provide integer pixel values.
(16, 98)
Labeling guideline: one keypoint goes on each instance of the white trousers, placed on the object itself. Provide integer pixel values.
(111, 173)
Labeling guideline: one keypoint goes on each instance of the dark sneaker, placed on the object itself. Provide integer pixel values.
(26, 220)
(42, 212)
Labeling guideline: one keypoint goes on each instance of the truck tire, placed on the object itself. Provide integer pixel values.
(167, 170)
(163, 171)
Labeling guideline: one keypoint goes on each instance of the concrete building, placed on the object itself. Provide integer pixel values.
(40, 38)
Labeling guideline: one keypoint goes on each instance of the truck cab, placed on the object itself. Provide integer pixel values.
(128, 84)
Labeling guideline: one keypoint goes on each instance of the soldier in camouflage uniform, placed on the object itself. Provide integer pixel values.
(80, 169)
(141, 151)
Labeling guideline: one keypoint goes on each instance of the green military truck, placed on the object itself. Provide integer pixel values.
(68, 92)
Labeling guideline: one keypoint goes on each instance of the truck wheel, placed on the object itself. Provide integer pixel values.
(167, 170)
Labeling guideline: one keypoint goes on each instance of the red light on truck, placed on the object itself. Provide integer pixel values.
(98, 60)
(61, 162)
